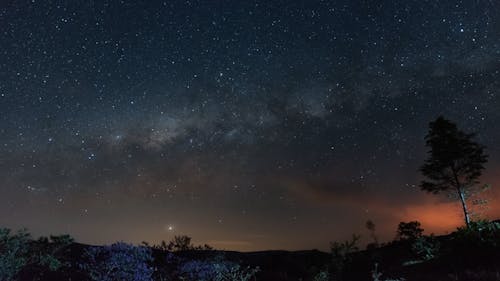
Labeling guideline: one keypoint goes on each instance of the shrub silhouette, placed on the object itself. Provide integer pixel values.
(180, 243)
(340, 255)
(409, 230)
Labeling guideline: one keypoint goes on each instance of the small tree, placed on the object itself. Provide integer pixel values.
(455, 161)
(341, 255)
(409, 230)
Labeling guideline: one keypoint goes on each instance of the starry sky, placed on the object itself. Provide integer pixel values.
(248, 125)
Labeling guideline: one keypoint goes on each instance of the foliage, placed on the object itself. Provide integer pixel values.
(163, 246)
(342, 249)
(480, 233)
(14, 250)
(119, 261)
(166, 266)
(426, 247)
(322, 276)
(51, 251)
(480, 204)
(455, 161)
(340, 255)
(409, 230)
(377, 275)
(216, 270)
(181, 243)
(18, 251)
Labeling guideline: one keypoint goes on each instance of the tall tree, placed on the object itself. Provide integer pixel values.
(455, 162)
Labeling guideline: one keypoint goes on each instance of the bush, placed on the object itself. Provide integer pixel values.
(216, 270)
(50, 252)
(14, 250)
(18, 251)
(480, 233)
(341, 255)
(119, 261)
(426, 247)
(377, 275)
(322, 276)
(166, 265)
(180, 243)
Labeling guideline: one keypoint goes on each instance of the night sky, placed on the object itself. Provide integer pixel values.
(247, 125)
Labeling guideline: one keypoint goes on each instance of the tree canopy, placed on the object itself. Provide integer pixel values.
(455, 161)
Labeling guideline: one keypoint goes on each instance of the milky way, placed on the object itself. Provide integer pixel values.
(244, 124)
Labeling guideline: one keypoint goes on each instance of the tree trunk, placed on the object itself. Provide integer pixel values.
(462, 197)
(464, 207)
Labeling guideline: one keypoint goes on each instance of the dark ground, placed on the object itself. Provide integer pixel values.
(467, 257)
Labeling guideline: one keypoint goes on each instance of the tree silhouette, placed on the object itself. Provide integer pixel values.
(180, 243)
(409, 230)
(455, 161)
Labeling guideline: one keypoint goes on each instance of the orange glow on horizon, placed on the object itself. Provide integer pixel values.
(444, 217)
(436, 218)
